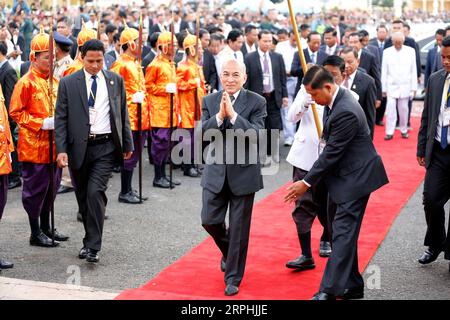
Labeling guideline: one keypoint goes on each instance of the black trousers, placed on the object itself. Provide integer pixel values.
(233, 243)
(272, 121)
(313, 203)
(436, 193)
(91, 182)
(342, 270)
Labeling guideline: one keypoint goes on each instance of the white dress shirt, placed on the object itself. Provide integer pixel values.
(311, 55)
(350, 80)
(102, 122)
(331, 50)
(261, 59)
(443, 105)
(250, 49)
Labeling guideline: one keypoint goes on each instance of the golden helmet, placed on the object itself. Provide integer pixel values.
(40, 42)
(128, 35)
(164, 39)
(190, 43)
(85, 35)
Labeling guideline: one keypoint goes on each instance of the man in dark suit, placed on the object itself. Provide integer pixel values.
(434, 61)
(352, 170)
(231, 182)
(433, 153)
(116, 52)
(367, 62)
(312, 55)
(251, 39)
(152, 53)
(379, 42)
(362, 84)
(8, 79)
(92, 135)
(266, 76)
(365, 44)
(331, 46)
(208, 62)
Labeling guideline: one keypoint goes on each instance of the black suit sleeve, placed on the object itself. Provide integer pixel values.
(247, 67)
(283, 78)
(127, 143)
(371, 97)
(61, 118)
(423, 131)
(10, 81)
(296, 68)
(375, 73)
(344, 128)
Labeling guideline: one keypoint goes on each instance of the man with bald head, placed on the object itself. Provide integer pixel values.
(231, 180)
(399, 83)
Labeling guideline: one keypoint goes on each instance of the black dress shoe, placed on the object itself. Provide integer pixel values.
(14, 184)
(42, 241)
(324, 249)
(405, 135)
(174, 182)
(161, 183)
(379, 123)
(136, 193)
(353, 293)
(301, 263)
(5, 264)
(129, 197)
(83, 253)
(117, 169)
(92, 256)
(323, 296)
(58, 236)
(223, 264)
(231, 290)
(191, 172)
(389, 137)
(429, 256)
(64, 189)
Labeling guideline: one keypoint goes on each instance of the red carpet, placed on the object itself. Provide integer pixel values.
(273, 240)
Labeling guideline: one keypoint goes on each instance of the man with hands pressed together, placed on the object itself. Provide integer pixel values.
(228, 182)
(351, 169)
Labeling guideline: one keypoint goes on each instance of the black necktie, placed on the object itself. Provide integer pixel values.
(232, 98)
(93, 92)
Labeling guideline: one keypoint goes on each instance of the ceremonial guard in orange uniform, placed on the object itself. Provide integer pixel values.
(191, 89)
(6, 147)
(32, 109)
(160, 82)
(129, 68)
(85, 34)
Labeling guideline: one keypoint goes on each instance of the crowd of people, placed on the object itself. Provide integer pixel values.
(115, 89)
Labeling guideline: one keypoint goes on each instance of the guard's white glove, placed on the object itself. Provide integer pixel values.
(171, 88)
(197, 80)
(308, 101)
(138, 97)
(49, 124)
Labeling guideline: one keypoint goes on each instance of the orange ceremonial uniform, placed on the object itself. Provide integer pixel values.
(30, 105)
(134, 81)
(158, 74)
(6, 141)
(187, 72)
(74, 67)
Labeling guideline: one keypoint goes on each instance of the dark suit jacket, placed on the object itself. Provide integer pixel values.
(244, 49)
(364, 86)
(243, 177)
(296, 67)
(410, 42)
(74, 47)
(349, 163)
(72, 117)
(368, 62)
(376, 53)
(109, 60)
(145, 50)
(374, 42)
(155, 28)
(24, 67)
(209, 69)
(430, 115)
(432, 65)
(255, 75)
(8, 79)
(147, 60)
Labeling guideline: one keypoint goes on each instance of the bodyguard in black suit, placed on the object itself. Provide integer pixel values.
(266, 76)
(318, 57)
(362, 84)
(231, 182)
(352, 170)
(8, 79)
(434, 61)
(148, 58)
(433, 152)
(92, 135)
